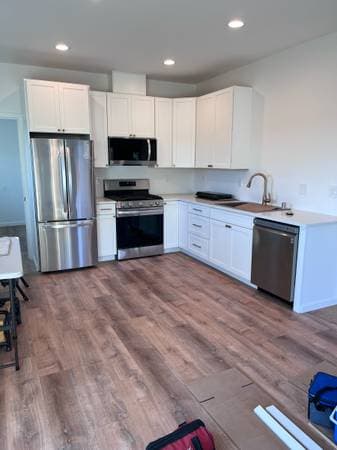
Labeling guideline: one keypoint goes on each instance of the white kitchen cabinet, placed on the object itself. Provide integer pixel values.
(99, 131)
(171, 225)
(241, 252)
(106, 231)
(184, 110)
(163, 126)
(74, 108)
(43, 106)
(183, 225)
(54, 107)
(119, 115)
(220, 245)
(224, 121)
(198, 245)
(130, 115)
(142, 116)
(231, 248)
(205, 131)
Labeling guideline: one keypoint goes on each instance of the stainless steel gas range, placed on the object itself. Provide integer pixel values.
(140, 218)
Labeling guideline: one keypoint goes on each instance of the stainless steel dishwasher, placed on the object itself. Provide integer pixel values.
(274, 257)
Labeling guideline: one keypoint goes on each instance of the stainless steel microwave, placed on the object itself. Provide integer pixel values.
(132, 151)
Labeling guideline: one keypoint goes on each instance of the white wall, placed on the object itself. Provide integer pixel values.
(162, 181)
(11, 194)
(299, 125)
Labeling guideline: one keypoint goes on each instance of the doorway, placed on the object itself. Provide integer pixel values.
(12, 206)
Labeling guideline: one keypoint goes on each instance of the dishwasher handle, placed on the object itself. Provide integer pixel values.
(276, 226)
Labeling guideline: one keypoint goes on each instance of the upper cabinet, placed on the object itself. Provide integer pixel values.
(223, 136)
(54, 107)
(184, 110)
(99, 127)
(163, 121)
(130, 115)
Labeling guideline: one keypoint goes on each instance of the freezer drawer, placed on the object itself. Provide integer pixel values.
(274, 258)
(67, 245)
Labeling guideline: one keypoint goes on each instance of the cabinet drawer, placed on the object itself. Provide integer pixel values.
(198, 225)
(242, 220)
(199, 246)
(104, 209)
(200, 210)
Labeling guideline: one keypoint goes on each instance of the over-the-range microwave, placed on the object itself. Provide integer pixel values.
(132, 151)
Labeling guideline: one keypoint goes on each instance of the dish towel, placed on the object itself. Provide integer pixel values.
(5, 245)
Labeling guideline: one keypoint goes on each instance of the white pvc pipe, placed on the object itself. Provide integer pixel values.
(293, 429)
(277, 429)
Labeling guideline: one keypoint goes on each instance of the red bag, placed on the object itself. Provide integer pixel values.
(189, 436)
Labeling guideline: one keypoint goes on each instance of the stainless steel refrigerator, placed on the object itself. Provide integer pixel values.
(65, 202)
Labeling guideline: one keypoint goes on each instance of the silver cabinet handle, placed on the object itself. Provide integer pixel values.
(105, 209)
(228, 226)
(197, 226)
(196, 245)
(210, 165)
(198, 210)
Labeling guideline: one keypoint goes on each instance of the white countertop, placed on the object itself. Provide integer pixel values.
(104, 200)
(300, 218)
(11, 264)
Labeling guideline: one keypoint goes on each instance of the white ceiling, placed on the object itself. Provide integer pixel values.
(137, 35)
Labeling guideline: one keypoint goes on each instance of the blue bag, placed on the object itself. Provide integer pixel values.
(322, 398)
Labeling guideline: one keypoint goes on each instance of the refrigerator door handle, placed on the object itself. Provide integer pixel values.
(70, 178)
(82, 223)
(64, 182)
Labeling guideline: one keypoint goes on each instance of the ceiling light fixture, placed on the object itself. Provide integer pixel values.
(62, 47)
(169, 62)
(236, 23)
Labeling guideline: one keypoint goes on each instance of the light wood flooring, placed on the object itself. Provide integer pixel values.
(107, 353)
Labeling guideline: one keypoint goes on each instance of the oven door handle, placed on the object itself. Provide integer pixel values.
(140, 212)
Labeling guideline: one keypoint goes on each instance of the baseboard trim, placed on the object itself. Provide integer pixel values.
(315, 306)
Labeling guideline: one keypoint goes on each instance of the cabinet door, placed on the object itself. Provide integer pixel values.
(164, 117)
(119, 115)
(43, 106)
(99, 131)
(106, 236)
(183, 226)
(220, 244)
(142, 116)
(171, 224)
(74, 107)
(184, 132)
(222, 149)
(241, 252)
(205, 131)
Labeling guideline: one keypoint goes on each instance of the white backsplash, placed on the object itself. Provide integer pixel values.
(162, 181)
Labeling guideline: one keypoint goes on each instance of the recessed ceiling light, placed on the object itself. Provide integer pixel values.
(236, 23)
(169, 62)
(62, 47)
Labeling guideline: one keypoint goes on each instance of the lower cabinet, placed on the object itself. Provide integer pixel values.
(106, 233)
(183, 225)
(231, 248)
(171, 225)
(225, 242)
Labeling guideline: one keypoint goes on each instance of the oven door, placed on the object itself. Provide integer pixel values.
(140, 232)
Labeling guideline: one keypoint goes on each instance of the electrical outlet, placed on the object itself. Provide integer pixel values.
(302, 190)
(333, 191)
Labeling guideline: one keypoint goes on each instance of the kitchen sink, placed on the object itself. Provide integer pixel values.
(250, 206)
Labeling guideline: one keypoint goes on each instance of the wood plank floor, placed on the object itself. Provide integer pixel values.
(107, 352)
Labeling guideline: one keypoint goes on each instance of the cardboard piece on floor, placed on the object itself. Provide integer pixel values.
(230, 398)
(303, 381)
(224, 384)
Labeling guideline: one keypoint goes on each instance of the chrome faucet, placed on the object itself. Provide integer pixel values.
(266, 196)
